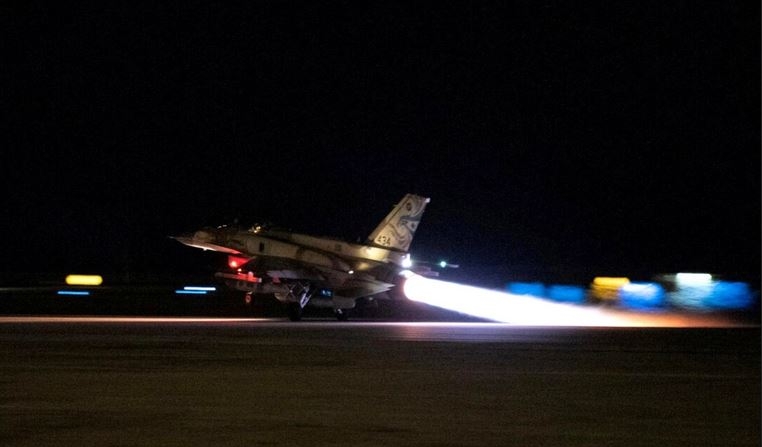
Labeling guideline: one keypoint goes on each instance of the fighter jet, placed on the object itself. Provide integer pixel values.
(301, 270)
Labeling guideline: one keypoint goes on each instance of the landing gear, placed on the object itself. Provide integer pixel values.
(248, 299)
(341, 314)
(294, 311)
(299, 294)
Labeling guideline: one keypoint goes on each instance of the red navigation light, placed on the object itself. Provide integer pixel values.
(236, 261)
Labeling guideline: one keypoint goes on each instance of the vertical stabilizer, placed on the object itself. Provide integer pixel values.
(397, 229)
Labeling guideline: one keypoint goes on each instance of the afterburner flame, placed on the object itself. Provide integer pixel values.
(527, 310)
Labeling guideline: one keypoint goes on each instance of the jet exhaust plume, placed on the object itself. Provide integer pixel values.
(526, 310)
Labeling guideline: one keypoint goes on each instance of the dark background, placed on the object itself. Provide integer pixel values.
(556, 140)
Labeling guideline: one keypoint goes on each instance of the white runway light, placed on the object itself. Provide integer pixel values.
(527, 310)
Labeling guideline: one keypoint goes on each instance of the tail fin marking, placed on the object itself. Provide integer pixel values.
(397, 229)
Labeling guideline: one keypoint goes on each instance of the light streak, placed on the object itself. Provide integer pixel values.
(636, 295)
(693, 279)
(610, 282)
(84, 280)
(195, 290)
(712, 295)
(605, 288)
(526, 288)
(730, 295)
(525, 310)
(566, 293)
(503, 307)
(93, 319)
(73, 292)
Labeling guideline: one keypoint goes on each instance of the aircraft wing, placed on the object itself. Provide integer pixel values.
(362, 288)
(354, 286)
(343, 284)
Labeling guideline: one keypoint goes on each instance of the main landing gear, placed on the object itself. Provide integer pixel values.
(294, 311)
(299, 294)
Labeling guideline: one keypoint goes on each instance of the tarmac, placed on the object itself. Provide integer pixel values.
(118, 381)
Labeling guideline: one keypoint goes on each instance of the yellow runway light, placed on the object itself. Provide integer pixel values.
(84, 280)
(608, 281)
(606, 288)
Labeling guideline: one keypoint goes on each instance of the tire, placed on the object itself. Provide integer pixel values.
(294, 311)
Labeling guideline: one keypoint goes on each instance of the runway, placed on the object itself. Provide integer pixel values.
(251, 381)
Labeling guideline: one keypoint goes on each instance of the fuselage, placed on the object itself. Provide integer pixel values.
(315, 251)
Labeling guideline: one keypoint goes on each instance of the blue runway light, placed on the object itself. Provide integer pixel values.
(190, 292)
(526, 288)
(73, 292)
(721, 295)
(567, 293)
(201, 288)
(729, 295)
(642, 295)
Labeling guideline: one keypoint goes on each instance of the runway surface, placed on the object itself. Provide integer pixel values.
(228, 381)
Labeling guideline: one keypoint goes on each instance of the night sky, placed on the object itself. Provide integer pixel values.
(554, 138)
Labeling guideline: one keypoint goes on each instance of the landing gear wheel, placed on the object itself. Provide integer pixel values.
(248, 298)
(294, 311)
(342, 315)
